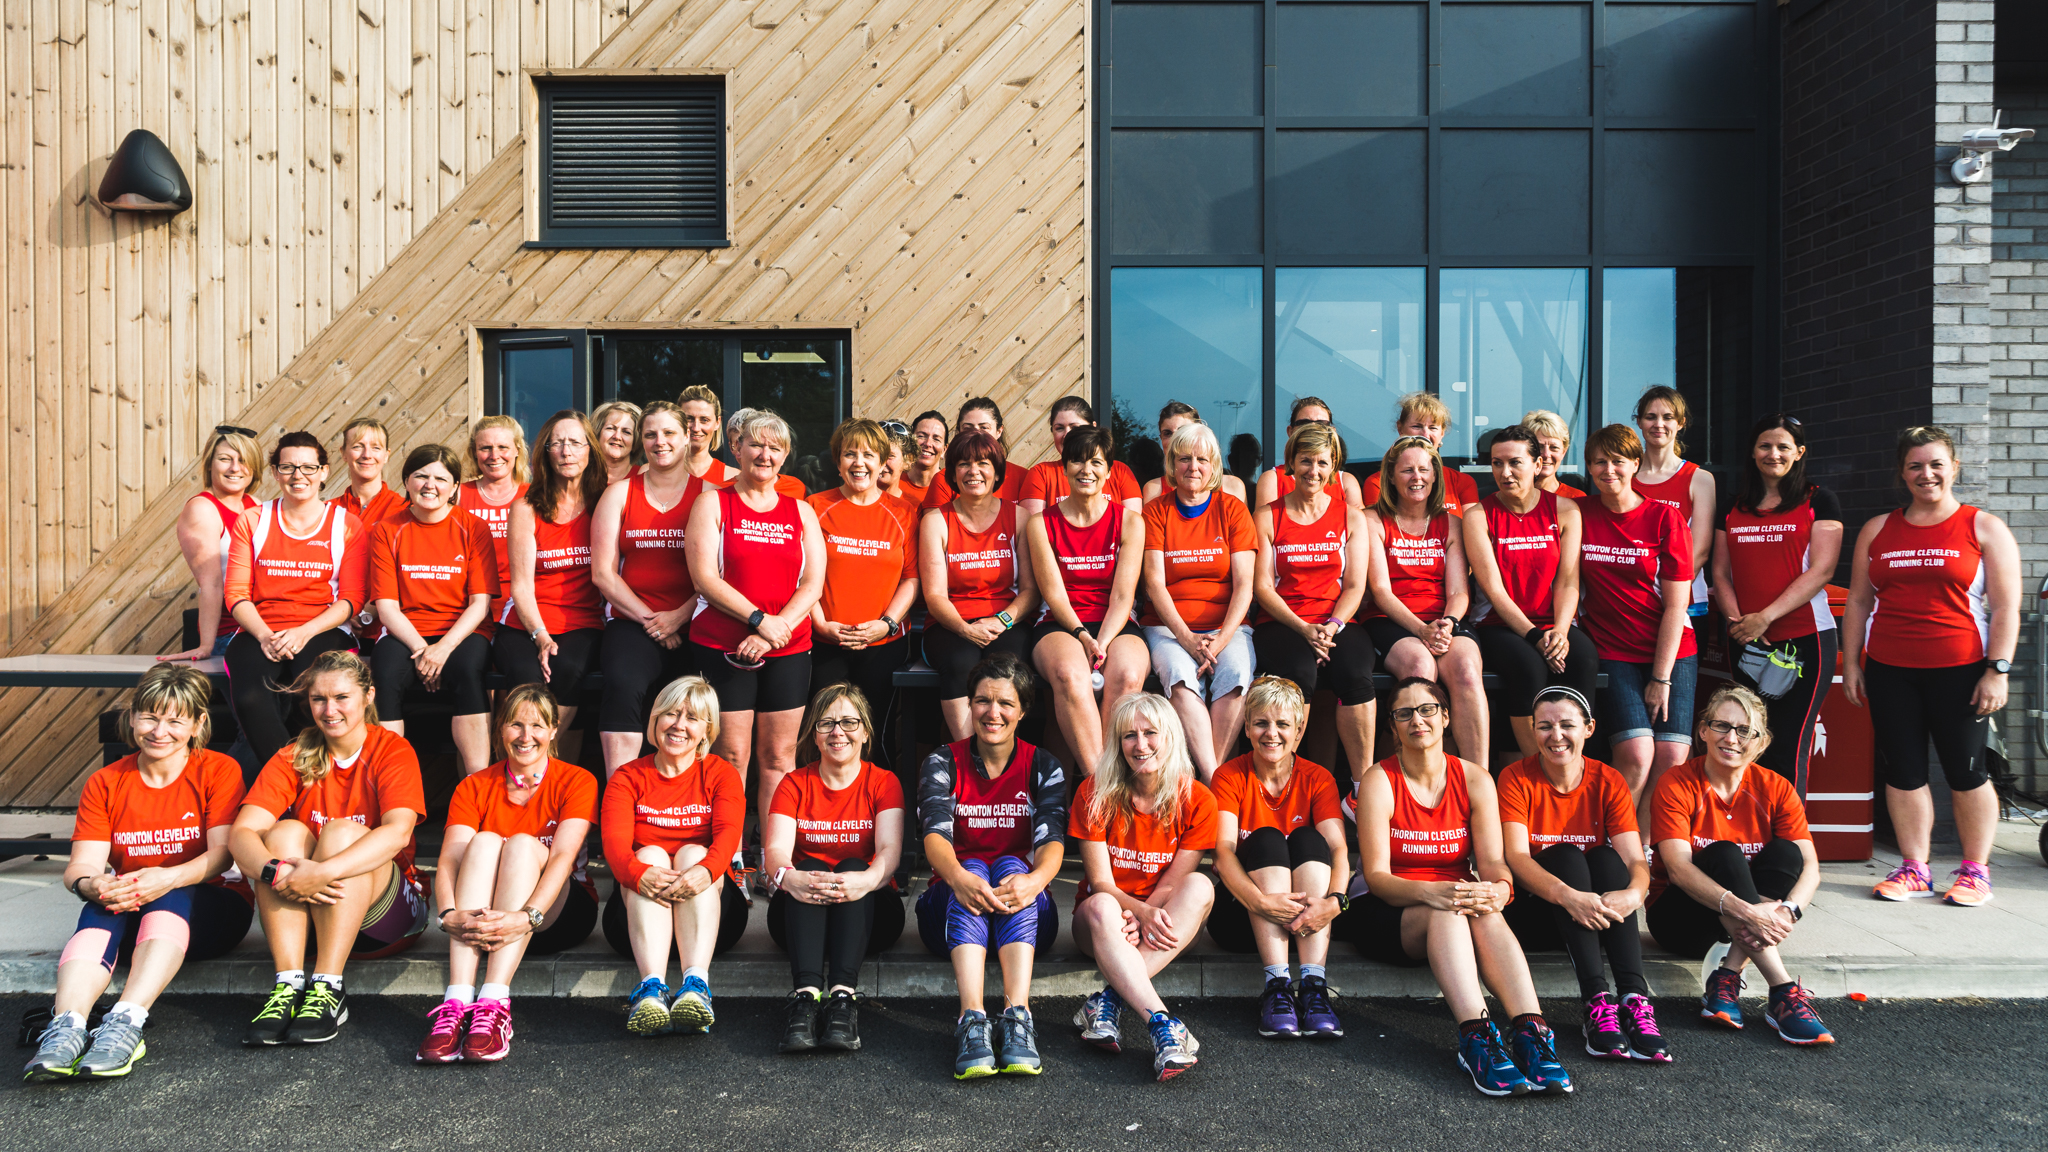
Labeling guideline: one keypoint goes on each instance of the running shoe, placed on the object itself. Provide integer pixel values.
(800, 1023)
(1173, 1048)
(443, 1044)
(1971, 887)
(1277, 1017)
(1535, 1052)
(1099, 1020)
(1603, 1028)
(1721, 1003)
(647, 1008)
(1639, 1023)
(57, 1053)
(320, 1014)
(691, 1010)
(273, 1019)
(1909, 881)
(490, 1032)
(840, 1028)
(973, 1056)
(1017, 1042)
(1482, 1055)
(116, 1046)
(1318, 1018)
(1791, 1015)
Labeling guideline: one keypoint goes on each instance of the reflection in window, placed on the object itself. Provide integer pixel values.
(802, 380)
(659, 368)
(1353, 338)
(537, 382)
(1639, 307)
(1187, 334)
(1509, 340)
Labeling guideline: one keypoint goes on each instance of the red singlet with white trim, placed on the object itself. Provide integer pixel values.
(1086, 558)
(1429, 843)
(1309, 559)
(651, 546)
(563, 594)
(761, 554)
(1930, 611)
(1526, 549)
(981, 567)
(1415, 567)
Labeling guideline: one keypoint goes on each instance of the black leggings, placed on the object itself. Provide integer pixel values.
(1687, 927)
(462, 677)
(953, 656)
(518, 660)
(872, 670)
(636, 668)
(1909, 706)
(829, 941)
(1230, 922)
(572, 927)
(270, 719)
(1282, 651)
(732, 919)
(1544, 927)
(1524, 672)
(1793, 715)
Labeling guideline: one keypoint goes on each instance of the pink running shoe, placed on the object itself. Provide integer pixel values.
(1909, 881)
(490, 1032)
(443, 1044)
(1971, 887)
(1639, 1022)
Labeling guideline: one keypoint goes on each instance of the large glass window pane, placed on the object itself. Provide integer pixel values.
(1639, 345)
(659, 368)
(803, 381)
(1187, 334)
(1351, 337)
(537, 382)
(1509, 340)
(1188, 59)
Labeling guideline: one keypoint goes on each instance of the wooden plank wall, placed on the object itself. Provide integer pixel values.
(912, 170)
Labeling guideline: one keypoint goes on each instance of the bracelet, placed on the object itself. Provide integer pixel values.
(1723, 900)
(1666, 681)
(445, 913)
(894, 627)
(775, 884)
(1533, 633)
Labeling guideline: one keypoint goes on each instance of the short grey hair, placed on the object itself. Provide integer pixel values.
(764, 423)
(1196, 439)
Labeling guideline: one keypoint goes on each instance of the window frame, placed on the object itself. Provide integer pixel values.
(533, 105)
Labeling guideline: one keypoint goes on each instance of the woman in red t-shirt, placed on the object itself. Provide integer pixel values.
(1571, 837)
(1419, 595)
(1435, 885)
(1281, 860)
(1172, 418)
(147, 858)
(671, 823)
(1665, 475)
(1278, 482)
(981, 415)
(1424, 415)
(1087, 551)
(1735, 863)
(1143, 821)
(1933, 623)
(1635, 576)
(500, 471)
(835, 833)
(1047, 482)
(433, 576)
(326, 836)
(870, 570)
(205, 526)
(977, 581)
(553, 627)
(510, 878)
(1200, 552)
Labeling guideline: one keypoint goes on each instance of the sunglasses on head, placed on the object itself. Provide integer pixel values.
(895, 427)
(233, 430)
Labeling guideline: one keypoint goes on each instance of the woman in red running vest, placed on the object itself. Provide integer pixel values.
(1422, 414)
(1776, 544)
(870, 570)
(509, 882)
(1417, 618)
(1311, 577)
(1523, 545)
(977, 580)
(1435, 885)
(365, 449)
(1172, 418)
(702, 437)
(205, 526)
(1932, 625)
(639, 565)
(977, 415)
(1278, 482)
(432, 579)
(553, 628)
(296, 576)
(928, 436)
(1047, 482)
(497, 456)
(1553, 443)
(1087, 551)
(618, 438)
(757, 558)
(1668, 478)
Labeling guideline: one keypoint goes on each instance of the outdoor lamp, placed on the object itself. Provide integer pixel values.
(143, 176)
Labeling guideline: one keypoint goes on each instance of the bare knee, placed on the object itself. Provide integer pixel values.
(337, 837)
(289, 838)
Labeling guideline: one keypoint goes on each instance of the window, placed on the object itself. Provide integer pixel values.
(1510, 340)
(1186, 334)
(630, 163)
(1351, 337)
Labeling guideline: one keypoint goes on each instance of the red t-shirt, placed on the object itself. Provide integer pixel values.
(941, 489)
(705, 803)
(1623, 559)
(1593, 813)
(869, 552)
(834, 827)
(292, 579)
(1309, 798)
(1415, 567)
(433, 569)
(1459, 490)
(565, 792)
(160, 827)
(1686, 807)
(384, 777)
(1429, 843)
(1141, 848)
(1197, 553)
(1048, 482)
(388, 502)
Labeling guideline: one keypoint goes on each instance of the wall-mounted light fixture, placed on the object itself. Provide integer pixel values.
(1981, 146)
(143, 176)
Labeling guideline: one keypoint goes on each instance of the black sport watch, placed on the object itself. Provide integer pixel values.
(754, 621)
(2002, 667)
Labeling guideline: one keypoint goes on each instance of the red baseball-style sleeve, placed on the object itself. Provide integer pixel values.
(1079, 824)
(354, 573)
(276, 787)
(579, 793)
(1788, 815)
(1200, 822)
(1156, 512)
(728, 812)
(465, 807)
(1512, 794)
(886, 790)
(1671, 807)
(95, 822)
(1034, 486)
(1322, 797)
(1674, 559)
(1239, 533)
(788, 798)
(222, 787)
(382, 565)
(621, 794)
(1226, 789)
(398, 778)
(1123, 483)
(939, 491)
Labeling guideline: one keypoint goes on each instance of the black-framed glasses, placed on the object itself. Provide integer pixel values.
(233, 430)
(1427, 711)
(1743, 732)
(850, 725)
(297, 469)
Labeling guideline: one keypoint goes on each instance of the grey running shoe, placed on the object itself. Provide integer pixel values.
(1017, 1042)
(57, 1053)
(1099, 1020)
(116, 1046)
(973, 1057)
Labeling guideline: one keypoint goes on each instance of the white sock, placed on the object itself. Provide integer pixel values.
(331, 979)
(655, 976)
(502, 992)
(296, 977)
(699, 973)
(1276, 972)
(464, 993)
(136, 1013)
(1314, 971)
(71, 1018)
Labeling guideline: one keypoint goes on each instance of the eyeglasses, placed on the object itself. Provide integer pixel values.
(566, 446)
(1427, 711)
(895, 427)
(298, 469)
(848, 725)
(233, 430)
(1742, 732)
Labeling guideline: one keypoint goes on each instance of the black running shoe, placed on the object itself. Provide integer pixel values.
(321, 1013)
(840, 1023)
(268, 1028)
(800, 1028)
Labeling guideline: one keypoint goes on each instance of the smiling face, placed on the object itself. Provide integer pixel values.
(859, 467)
(892, 467)
(567, 449)
(1143, 746)
(1729, 750)
(1560, 731)
(1062, 424)
(843, 743)
(615, 439)
(496, 453)
(678, 734)
(526, 736)
(699, 423)
(994, 711)
(662, 439)
(1659, 423)
(337, 704)
(975, 477)
(230, 473)
(1312, 469)
(1274, 734)
(1423, 425)
(162, 734)
(1775, 453)
(300, 472)
(1611, 474)
(1930, 473)
(1514, 467)
(1086, 476)
(366, 455)
(930, 437)
(1549, 456)
(430, 486)
(980, 420)
(1414, 476)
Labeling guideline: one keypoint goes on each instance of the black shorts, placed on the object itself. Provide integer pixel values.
(462, 677)
(780, 684)
(954, 656)
(1051, 627)
(573, 926)
(1373, 926)
(576, 656)
(1910, 707)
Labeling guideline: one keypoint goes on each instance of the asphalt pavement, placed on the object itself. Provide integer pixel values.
(1918, 1074)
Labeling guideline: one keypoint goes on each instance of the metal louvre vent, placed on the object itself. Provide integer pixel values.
(632, 164)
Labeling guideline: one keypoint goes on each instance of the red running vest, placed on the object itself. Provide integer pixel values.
(761, 554)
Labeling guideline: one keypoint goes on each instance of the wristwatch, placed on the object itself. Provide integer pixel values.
(82, 897)
(2000, 666)
(1006, 620)
(1792, 908)
(1343, 902)
(894, 627)
(1080, 631)
(534, 916)
(754, 621)
(269, 874)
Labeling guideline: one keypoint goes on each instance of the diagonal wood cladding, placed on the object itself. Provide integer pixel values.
(912, 170)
